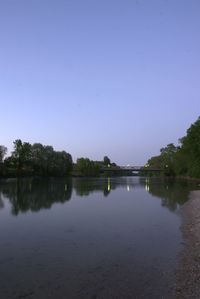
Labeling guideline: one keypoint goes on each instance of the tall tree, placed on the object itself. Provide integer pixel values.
(191, 149)
(21, 154)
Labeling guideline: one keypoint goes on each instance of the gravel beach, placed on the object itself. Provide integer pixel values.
(188, 272)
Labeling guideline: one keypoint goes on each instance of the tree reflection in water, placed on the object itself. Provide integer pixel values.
(35, 194)
(172, 192)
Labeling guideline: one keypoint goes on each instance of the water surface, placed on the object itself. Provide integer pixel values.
(89, 238)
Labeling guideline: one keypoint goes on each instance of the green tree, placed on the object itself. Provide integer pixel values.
(37, 153)
(21, 154)
(47, 161)
(60, 164)
(168, 158)
(183, 160)
(87, 167)
(191, 149)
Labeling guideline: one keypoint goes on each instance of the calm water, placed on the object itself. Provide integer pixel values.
(89, 238)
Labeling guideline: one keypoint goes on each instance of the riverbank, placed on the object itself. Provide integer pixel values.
(188, 272)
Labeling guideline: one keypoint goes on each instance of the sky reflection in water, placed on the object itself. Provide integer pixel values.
(89, 238)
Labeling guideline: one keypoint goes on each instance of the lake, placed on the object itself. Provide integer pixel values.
(90, 238)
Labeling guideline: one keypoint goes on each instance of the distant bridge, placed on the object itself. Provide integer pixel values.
(129, 168)
(133, 168)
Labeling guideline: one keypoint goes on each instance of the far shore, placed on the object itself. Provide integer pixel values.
(188, 272)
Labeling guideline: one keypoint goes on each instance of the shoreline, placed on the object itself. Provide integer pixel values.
(188, 271)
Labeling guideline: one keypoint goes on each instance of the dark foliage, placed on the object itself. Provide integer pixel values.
(183, 160)
(36, 159)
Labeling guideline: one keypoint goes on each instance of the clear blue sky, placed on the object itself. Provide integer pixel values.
(108, 77)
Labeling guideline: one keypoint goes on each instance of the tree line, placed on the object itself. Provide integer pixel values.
(42, 160)
(181, 160)
(36, 159)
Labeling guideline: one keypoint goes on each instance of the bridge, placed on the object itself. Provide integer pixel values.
(133, 168)
(129, 169)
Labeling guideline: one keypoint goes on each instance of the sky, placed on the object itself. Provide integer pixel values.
(110, 77)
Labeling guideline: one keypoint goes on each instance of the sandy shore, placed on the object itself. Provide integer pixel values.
(188, 272)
